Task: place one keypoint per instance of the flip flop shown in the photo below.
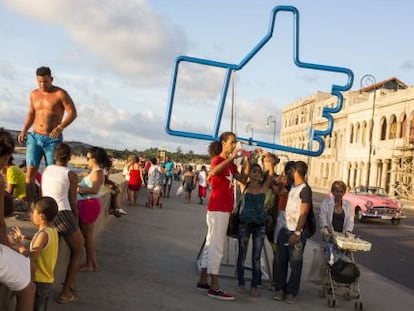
(71, 298)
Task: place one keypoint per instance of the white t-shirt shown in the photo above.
(55, 184)
(294, 203)
(14, 269)
(202, 178)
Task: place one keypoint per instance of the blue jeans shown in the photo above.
(258, 235)
(289, 255)
(41, 145)
(43, 293)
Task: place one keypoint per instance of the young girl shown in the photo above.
(43, 250)
(252, 220)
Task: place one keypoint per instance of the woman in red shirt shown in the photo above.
(220, 205)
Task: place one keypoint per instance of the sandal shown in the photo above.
(71, 298)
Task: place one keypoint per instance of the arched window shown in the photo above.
(383, 127)
(357, 130)
(302, 117)
(371, 131)
(393, 127)
(364, 134)
(411, 137)
(351, 134)
(403, 126)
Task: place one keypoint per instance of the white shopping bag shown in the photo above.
(180, 191)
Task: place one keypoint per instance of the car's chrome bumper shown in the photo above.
(384, 214)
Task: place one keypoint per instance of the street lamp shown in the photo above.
(249, 128)
(369, 80)
(272, 119)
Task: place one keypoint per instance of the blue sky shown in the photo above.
(115, 58)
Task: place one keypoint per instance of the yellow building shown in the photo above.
(374, 129)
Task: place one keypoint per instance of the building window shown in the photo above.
(411, 138)
(393, 127)
(351, 134)
(357, 130)
(371, 131)
(364, 134)
(403, 126)
(383, 126)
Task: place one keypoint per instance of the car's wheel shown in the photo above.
(358, 215)
(395, 221)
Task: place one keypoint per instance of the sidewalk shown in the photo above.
(147, 261)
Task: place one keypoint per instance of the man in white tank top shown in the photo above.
(292, 238)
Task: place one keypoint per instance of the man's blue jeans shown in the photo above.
(258, 235)
(289, 255)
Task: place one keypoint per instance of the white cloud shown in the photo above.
(125, 35)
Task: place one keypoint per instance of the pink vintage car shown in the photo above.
(373, 202)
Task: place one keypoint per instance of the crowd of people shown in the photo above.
(157, 177)
(273, 207)
(278, 207)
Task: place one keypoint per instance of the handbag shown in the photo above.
(234, 219)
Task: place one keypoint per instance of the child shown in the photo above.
(43, 249)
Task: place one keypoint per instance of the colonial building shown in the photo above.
(372, 141)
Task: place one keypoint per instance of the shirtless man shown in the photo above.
(48, 104)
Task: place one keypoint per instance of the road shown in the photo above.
(392, 252)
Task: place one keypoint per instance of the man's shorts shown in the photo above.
(65, 223)
(14, 269)
(39, 145)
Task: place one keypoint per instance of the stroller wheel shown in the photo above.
(331, 303)
(358, 305)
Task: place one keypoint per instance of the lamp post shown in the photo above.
(369, 80)
(249, 128)
(272, 119)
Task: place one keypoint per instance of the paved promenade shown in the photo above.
(147, 261)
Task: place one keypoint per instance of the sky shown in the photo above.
(115, 59)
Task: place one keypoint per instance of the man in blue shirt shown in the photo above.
(169, 167)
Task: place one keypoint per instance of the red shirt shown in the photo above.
(222, 193)
(147, 165)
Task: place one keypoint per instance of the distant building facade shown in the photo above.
(374, 129)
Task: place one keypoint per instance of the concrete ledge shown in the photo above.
(7, 301)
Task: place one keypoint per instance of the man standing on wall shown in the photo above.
(48, 105)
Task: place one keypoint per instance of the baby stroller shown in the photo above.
(342, 273)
